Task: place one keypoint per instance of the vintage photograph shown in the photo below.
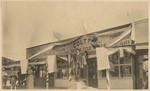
(97, 45)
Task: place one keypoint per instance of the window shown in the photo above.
(40, 71)
(114, 64)
(62, 66)
(120, 67)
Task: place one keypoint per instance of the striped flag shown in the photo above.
(57, 35)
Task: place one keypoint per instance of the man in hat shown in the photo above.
(78, 63)
(13, 78)
(145, 71)
(93, 41)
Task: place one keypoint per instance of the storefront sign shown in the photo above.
(83, 43)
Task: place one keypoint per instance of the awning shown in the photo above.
(11, 66)
(141, 46)
(37, 63)
(53, 45)
(123, 35)
(44, 50)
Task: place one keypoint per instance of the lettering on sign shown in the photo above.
(125, 41)
(83, 43)
(80, 42)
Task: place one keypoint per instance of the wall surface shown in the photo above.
(141, 31)
(116, 83)
(61, 83)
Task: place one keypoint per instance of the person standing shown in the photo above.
(145, 71)
(21, 77)
(79, 64)
(4, 74)
(30, 78)
(94, 41)
(13, 78)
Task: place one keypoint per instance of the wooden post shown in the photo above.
(47, 80)
(98, 78)
(87, 75)
(107, 79)
(47, 76)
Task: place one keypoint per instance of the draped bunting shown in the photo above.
(103, 54)
(102, 58)
(24, 66)
(84, 60)
(123, 35)
(51, 61)
(129, 49)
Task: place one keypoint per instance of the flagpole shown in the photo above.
(107, 79)
(47, 76)
(133, 28)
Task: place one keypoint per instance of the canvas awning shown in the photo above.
(37, 63)
(40, 53)
(11, 66)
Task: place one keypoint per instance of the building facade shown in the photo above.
(123, 72)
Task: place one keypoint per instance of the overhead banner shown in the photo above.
(114, 38)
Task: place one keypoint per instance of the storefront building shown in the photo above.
(122, 72)
(141, 35)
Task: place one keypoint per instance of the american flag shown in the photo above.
(57, 35)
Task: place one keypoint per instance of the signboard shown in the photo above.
(104, 39)
(112, 38)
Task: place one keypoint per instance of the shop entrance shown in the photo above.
(40, 76)
(51, 80)
(92, 72)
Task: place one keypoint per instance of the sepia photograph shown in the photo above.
(93, 45)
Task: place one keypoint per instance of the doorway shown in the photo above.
(40, 77)
(92, 72)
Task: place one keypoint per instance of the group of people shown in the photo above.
(15, 77)
(78, 60)
(77, 64)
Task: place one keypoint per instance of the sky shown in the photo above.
(27, 24)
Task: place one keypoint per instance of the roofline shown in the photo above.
(102, 31)
(9, 58)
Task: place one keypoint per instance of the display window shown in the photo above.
(40, 71)
(62, 66)
(120, 67)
